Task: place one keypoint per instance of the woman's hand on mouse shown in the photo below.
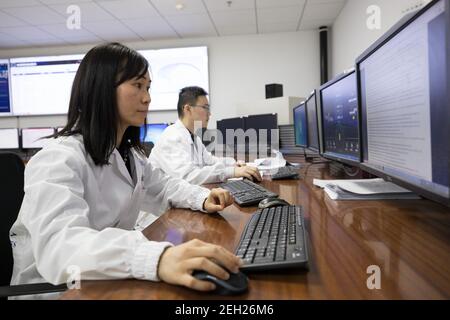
(177, 263)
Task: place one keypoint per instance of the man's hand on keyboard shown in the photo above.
(218, 199)
(248, 172)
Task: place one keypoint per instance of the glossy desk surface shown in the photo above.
(409, 240)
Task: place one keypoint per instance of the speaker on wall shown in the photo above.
(274, 90)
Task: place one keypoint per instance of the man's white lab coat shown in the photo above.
(179, 156)
(75, 213)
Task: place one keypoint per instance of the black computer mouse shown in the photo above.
(236, 284)
(272, 202)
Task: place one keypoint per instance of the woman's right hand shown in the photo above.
(177, 263)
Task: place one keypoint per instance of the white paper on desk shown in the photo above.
(337, 193)
(322, 183)
(270, 163)
(364, 186)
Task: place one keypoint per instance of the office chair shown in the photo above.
(11, 196)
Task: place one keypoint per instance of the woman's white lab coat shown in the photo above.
(190, 161)
(75, 213)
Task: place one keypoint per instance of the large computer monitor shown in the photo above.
(31, 137)
(266, 126)
(232, 124)
(9, 138)
(5, 102)
(340, 119)
(154, 131)
(405, 87)
(42, 85)
(311, 117)
(300, 126)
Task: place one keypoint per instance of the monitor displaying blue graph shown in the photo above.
(340, 119)
(154, 131)
(5, 104)
(300, 126)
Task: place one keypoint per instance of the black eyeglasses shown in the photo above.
(205, 107)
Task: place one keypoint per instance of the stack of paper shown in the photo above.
(368, 189)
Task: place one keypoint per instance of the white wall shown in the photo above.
(350, 34)
(239, 68)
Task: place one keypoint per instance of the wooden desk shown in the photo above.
(408, 240)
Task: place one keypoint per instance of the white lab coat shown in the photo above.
(177, 155)
(75, 213)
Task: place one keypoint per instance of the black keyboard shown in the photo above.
(274, 238)
(246, 192)
(288, 172)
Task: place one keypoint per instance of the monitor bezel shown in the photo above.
(313, 94)
(396, 29)
(303, 103)
(322, 127)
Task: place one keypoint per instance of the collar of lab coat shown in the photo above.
(186, 133)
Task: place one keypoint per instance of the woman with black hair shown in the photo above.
(85, 188)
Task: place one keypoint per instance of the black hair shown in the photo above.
(189, 95)
(93, 111)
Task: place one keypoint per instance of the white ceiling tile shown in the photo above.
(27, 33)
(90, 12)
(278, 3)
(279, 15)
(111, 31)
(68, 2)
(241, 17)
(36, 15)
(154, 28)
(192, 25)
(18, 3)
(7, 41)
(46, 42)
(219, 5)
(236, 30)
(10, 21)
(84, 40)
(61, 31)
(167, 7)
(278, 27)
(315, 24)
(323, 10)
(130, 9)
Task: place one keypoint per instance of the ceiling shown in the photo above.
(31, 23)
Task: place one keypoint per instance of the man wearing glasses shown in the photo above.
(181, 153)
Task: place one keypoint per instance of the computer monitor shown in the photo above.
(9, 138)
(233, 124)
(300, 126)
(340, 119)
(311, 117)
(5, 103)
(154, 131)
(404, 86)
(266, 126)
(42, 85)
(31, 137)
